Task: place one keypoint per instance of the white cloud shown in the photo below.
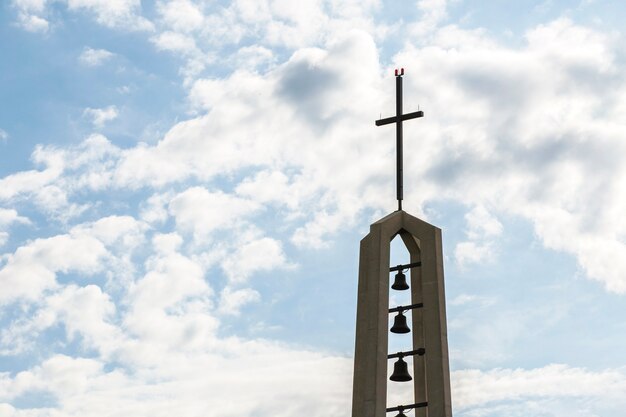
(175, 42)
(114, 13)
(66, 172)
(167, 243)
(315, 233)
(30, 181)
(506, 136)
(278, 381)
(517, 121)
(94, 57)
(475, 389)
(481, 223)
(50, 198)
(231, 301)
(202, 212)
(154, 209)
(86, 312)
(32, 268)
(171, 278)
(99, 117)
(261, 254)
(4, 136)
(123, 232)
(34, 6)
(266, 187)
(181, 15)
(124, 14)
(9, 216)
(482, 228)
(251, 57)
(29, 15)
(434, 12)
(473, 252)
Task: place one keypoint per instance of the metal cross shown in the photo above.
(398, 119)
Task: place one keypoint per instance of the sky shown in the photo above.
(184, 185)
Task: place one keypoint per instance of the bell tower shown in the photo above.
(427, 341)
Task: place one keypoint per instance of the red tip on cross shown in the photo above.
(401, 71)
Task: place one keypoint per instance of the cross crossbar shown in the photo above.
(394, 119)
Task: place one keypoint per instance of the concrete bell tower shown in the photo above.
(428, 337)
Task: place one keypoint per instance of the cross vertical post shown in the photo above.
(398, 119)
(399, 167)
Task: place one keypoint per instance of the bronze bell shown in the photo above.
(400, 371)
(399, 324)
(400, 282)
(400, 414)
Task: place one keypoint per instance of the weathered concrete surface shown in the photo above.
(431, 373)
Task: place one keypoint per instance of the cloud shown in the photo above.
(434, 12)
(175, 42)
(33, 180)
(528, 139)
(477, 390)
(202, 212)
(29, 15)
(181, 15)
(159, 337)
(65, 172)
(265, 187)
(119, 13)
(262, 254)
(34, 23)
(86, 312)
(482, 228)
(101, 116)
(231, 301)
(94, 57)
(9, 216)
(493, 118)
(299, 381)
(30, 5)
(32, 268)
(154, 209)
(254, 57)
(115, 14)
(473, 252)
(4, 136)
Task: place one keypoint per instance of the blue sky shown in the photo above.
(184, 185)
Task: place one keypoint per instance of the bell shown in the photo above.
(399, 324)
(400, 414)
(400, 371)
(400, 282)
